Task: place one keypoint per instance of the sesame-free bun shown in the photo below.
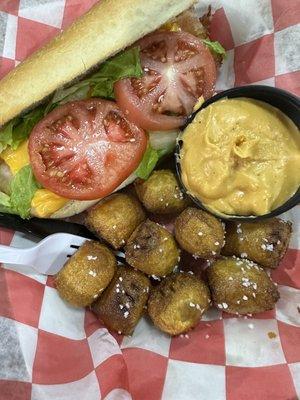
(109, 27)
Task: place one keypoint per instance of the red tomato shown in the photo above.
(178, 69)
(85, 149)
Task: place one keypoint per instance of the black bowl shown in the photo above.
(281, 99)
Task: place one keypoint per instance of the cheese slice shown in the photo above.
(16, 159)
(44, 202)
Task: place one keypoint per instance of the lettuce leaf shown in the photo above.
(22, 130)
(159, 145)
(23, 187)
(104, 88)
(18, 129)
(215, 46)
(124, 65)
(5, 203)
(148, 163)
(6, 135)
(4, 200)
(78, 91)
(5, 206)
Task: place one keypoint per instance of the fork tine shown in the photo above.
(78, 240)
(66, 245)
(74, 246)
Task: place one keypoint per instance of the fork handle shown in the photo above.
(42, 228)
(13, 255)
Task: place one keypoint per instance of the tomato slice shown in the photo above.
(178, 69)
(84, 150)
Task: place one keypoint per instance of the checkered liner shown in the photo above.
(48, 350)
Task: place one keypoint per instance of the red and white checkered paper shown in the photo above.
(49, 350)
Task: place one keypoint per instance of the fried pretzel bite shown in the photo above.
(240, 286)
(264, 242)
(123, 303)
(152, 249)
(115, 218)
(86, 274)
(177, 304)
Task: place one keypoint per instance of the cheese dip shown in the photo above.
(241, 156)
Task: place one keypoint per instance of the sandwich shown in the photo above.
(100, 104)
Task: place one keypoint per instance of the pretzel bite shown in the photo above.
(160, 193)
(178, 303)
(115, 219)
(152, 249)
(199, 233)
(240, 286)
(264, 242)
(87, 273)
(122, 303)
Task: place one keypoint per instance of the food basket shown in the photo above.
(49, 350)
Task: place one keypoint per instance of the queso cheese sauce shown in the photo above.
(241, 157)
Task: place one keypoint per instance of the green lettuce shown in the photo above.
(101, 84)
(23, 129)
(78, 91)
(124, 65)
(215, 46)
(159, 145)
(18, 129)
(22, 189)
(6, 135)
(149, 161)
(5, 203)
